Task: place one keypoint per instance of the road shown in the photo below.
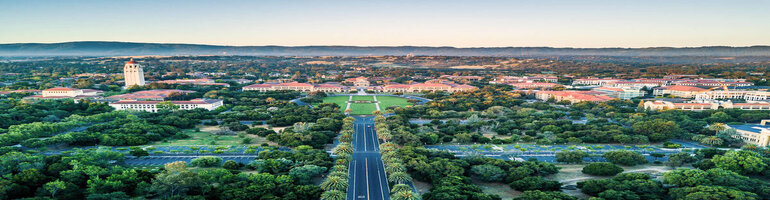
(367, 172)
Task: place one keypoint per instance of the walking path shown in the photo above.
(377, 104)
(350, 98)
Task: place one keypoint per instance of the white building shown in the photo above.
(133, 73)
(68, 93)
(698, 106)
(753, 133)
(621, 92)
(152, 106)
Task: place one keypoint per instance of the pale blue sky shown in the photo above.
(555, 23)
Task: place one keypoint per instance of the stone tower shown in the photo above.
(133, 73)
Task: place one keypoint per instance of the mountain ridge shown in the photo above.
(111, 48)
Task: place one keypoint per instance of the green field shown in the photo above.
(363, 98)
(363, 108)
(366, 108)
(339, 100)
(388, 101)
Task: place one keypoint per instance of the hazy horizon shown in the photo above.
(493, 23)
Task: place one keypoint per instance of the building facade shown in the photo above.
(133, 73)
(152, 106)
(572, 96)
(302, 87)
(757, 134)
(620, 92)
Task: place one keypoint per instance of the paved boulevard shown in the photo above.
(367, 172)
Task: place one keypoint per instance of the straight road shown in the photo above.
(367, 172)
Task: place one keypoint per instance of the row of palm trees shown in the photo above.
(394, 167)
(336, 184)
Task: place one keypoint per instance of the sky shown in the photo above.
(477, 23)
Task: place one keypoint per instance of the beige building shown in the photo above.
(133, 73)
(419, 87)
(753, 134)
(698, 106)
(152, 106)
(67, 93)
(302, 87)
(572, 96)
(678, 91)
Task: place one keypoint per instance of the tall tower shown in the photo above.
(133, 73)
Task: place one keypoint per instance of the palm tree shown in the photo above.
(339, 174)
(343, 148)
(400, 177)
(405, 196)
(384, 135)
(717, 127)
(713, 141)
(333, 195)
(400, 188)
(340, 168)
(395, 167)
(346, 137)
(377, 113)
(335, 183)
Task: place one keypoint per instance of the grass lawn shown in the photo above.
(205, 138)
(388, 101)
(363, 108)
(339, 100)
(363, 98)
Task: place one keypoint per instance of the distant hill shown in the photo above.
(130, 48)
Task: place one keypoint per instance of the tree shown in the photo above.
(678, 159)
(710, 192)
(623, 157)
(487, 172)
(535, 183)
(333, 195)
(167, 106)
(304, 174)
(400, 177)
(231, 165)
(657, 130)
(547, 195)
(207, 161)
(335, 183)
(54, 187)
(405, 196)
(138, 152)
(743, 162)
(400, 188)
(570, 156)
(602, 169)
(176, 180)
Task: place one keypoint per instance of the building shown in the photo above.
(200, 81)
(358, 82)
(149, 95)
(419, 87)
(678, 91)
(152, 106)
(620, 92)
(67, 93)
(595, 81)
(714, 83)
(302, 87)
(523, 79)
(757, 134)
(648, 84)
(133, 73)
(698, 106)
(679, 76)
(462, 78)
(572, 96)
(534, 85)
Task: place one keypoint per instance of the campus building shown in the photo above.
(620, 92)
(757, 134)
(419, 87)
(523, 79)
(200, 81)
(573, 96)
(152, 106)
(595, 81)
(358, 81)
(133, 73)
(149, 95)
(698, 106)
(678, 91)
(302, 87)
(535, 85)
(67, 93)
